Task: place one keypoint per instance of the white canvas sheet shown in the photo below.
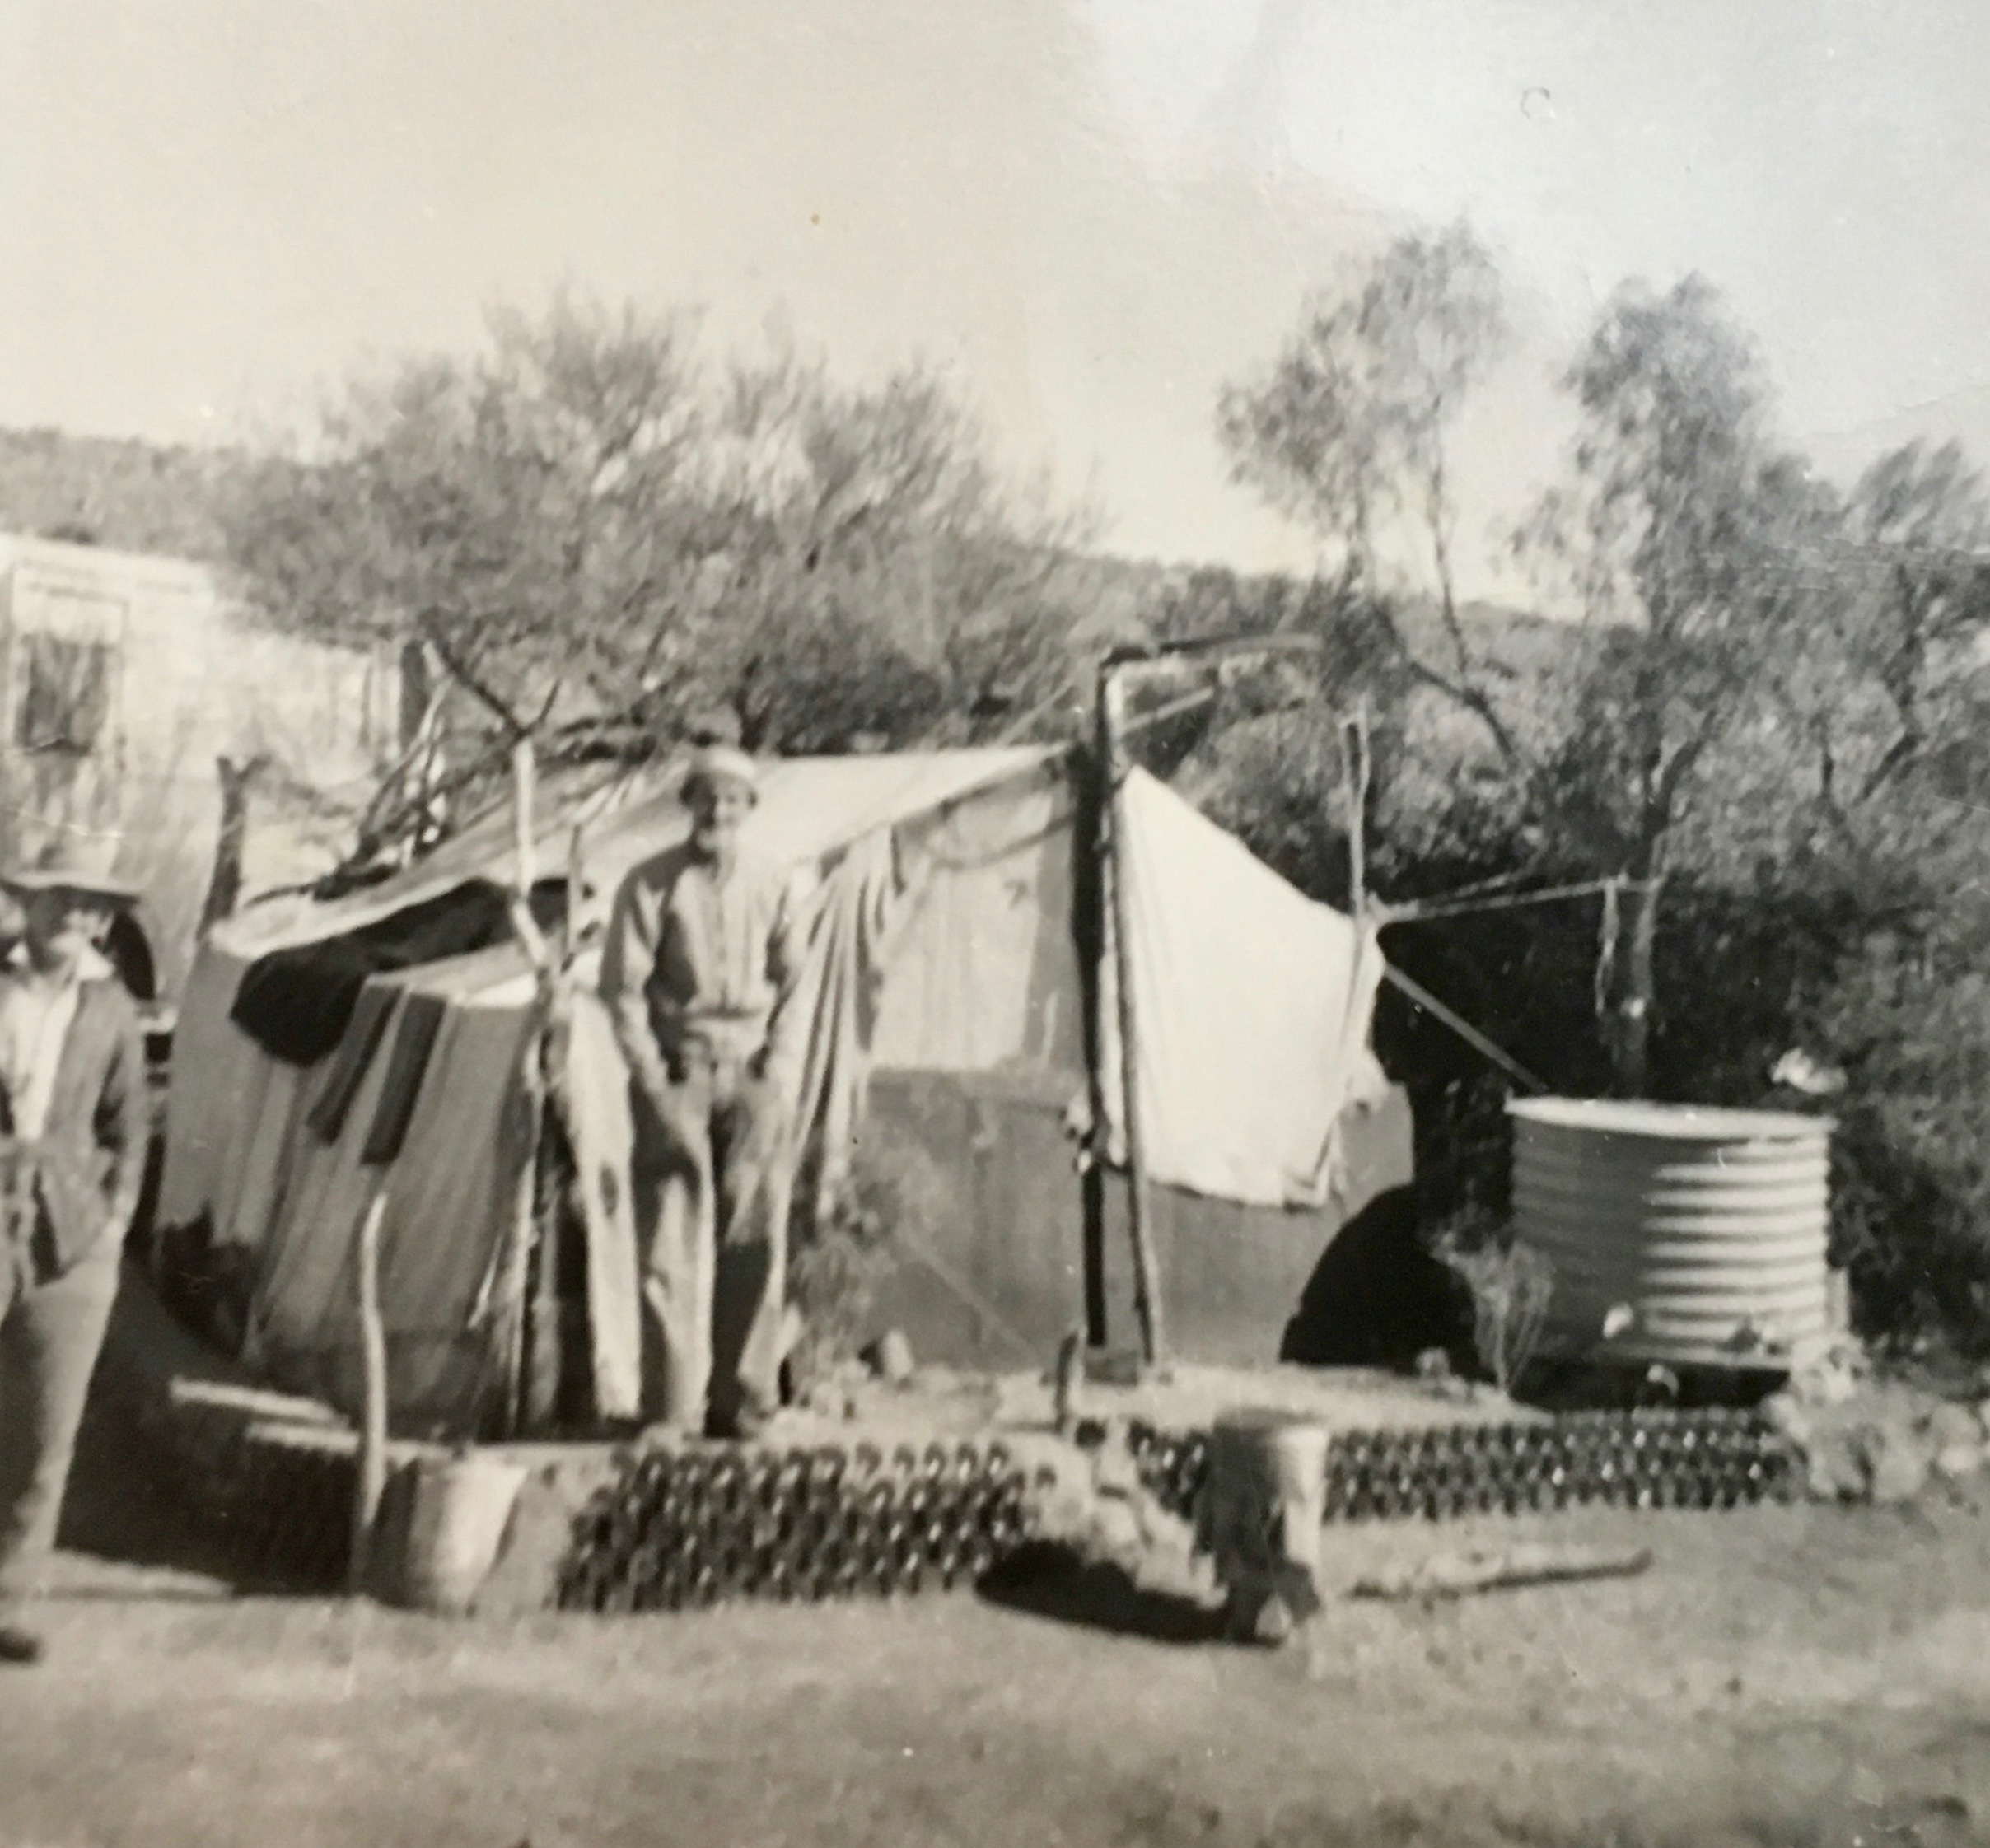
(1253, 1006)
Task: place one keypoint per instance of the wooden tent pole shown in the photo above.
(525, 766)
(1355, 775)
(524, 777)
(1146, 1275)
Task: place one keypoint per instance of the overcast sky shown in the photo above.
(1094, 211)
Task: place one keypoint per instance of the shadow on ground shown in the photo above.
(1048, 1580)
(120, 1506)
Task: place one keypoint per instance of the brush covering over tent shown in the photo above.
(957, 1001)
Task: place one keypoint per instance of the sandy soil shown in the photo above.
(1780, 1676)
(1794, 1675)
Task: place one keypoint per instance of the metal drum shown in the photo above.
(1678, 1234)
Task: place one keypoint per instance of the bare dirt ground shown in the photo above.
(1795, 1675)
(1800, 1676)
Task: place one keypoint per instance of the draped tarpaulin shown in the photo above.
(1252, 1003)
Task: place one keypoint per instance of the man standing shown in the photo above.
(703, 951)
(74, 1120)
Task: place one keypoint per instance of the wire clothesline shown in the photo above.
(1463, 905)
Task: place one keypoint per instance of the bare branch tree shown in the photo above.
(1348, 433)
(596, 534)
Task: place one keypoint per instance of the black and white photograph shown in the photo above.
(1044, 921)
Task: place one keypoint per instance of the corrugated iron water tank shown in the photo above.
(1680, 1234)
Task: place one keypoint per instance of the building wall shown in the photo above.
(190, 682)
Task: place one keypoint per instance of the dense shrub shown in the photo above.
(1911, 1021)
(837, 1260)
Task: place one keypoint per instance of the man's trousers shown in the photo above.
(50, 1334)
(713, 1182)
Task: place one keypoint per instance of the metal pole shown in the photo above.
(1147, 1277)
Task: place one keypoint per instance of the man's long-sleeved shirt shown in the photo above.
(35, 1018)
(73, 1088)
(698, 960)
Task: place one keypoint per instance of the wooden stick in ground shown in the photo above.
(1458, 1574)
(372, 1472)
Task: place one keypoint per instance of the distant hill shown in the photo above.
(132, 496)
(118, 492)
(1122, 596)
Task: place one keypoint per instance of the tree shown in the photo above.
(1698, 550)
(1919, 525)
(598, 536)
(532, 516)
(1348, 433)
(879, 576)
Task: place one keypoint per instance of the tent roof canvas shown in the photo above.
(810, 809)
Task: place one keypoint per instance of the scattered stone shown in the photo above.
(889, 1358)
(1161, 1531)
(1789, 1417)
(1113, 1530)
(1274, 1623)
(1115, 1366)
(1835, 1467)
(1958, 1461)
(1661, 1386)
(1896, 1463)
(1114, 1472)
(1954, 1427)
(1834, 1377)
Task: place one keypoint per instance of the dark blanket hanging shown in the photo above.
(356, 1052)
(296, 1004)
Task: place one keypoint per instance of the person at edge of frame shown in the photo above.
(73, 1128)
(703, 953)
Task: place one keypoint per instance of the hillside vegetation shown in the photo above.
(118, 492)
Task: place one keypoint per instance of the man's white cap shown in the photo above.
(716, 763)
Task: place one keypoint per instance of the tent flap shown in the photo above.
(1253, 1004)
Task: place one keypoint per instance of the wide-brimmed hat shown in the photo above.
(66, 867)
(712, 764)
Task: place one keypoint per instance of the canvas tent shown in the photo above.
(956, 1015)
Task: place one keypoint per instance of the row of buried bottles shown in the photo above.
(690, 1528)
(291, 1513)
(1706, 1459)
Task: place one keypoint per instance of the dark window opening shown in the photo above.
(65, 703)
